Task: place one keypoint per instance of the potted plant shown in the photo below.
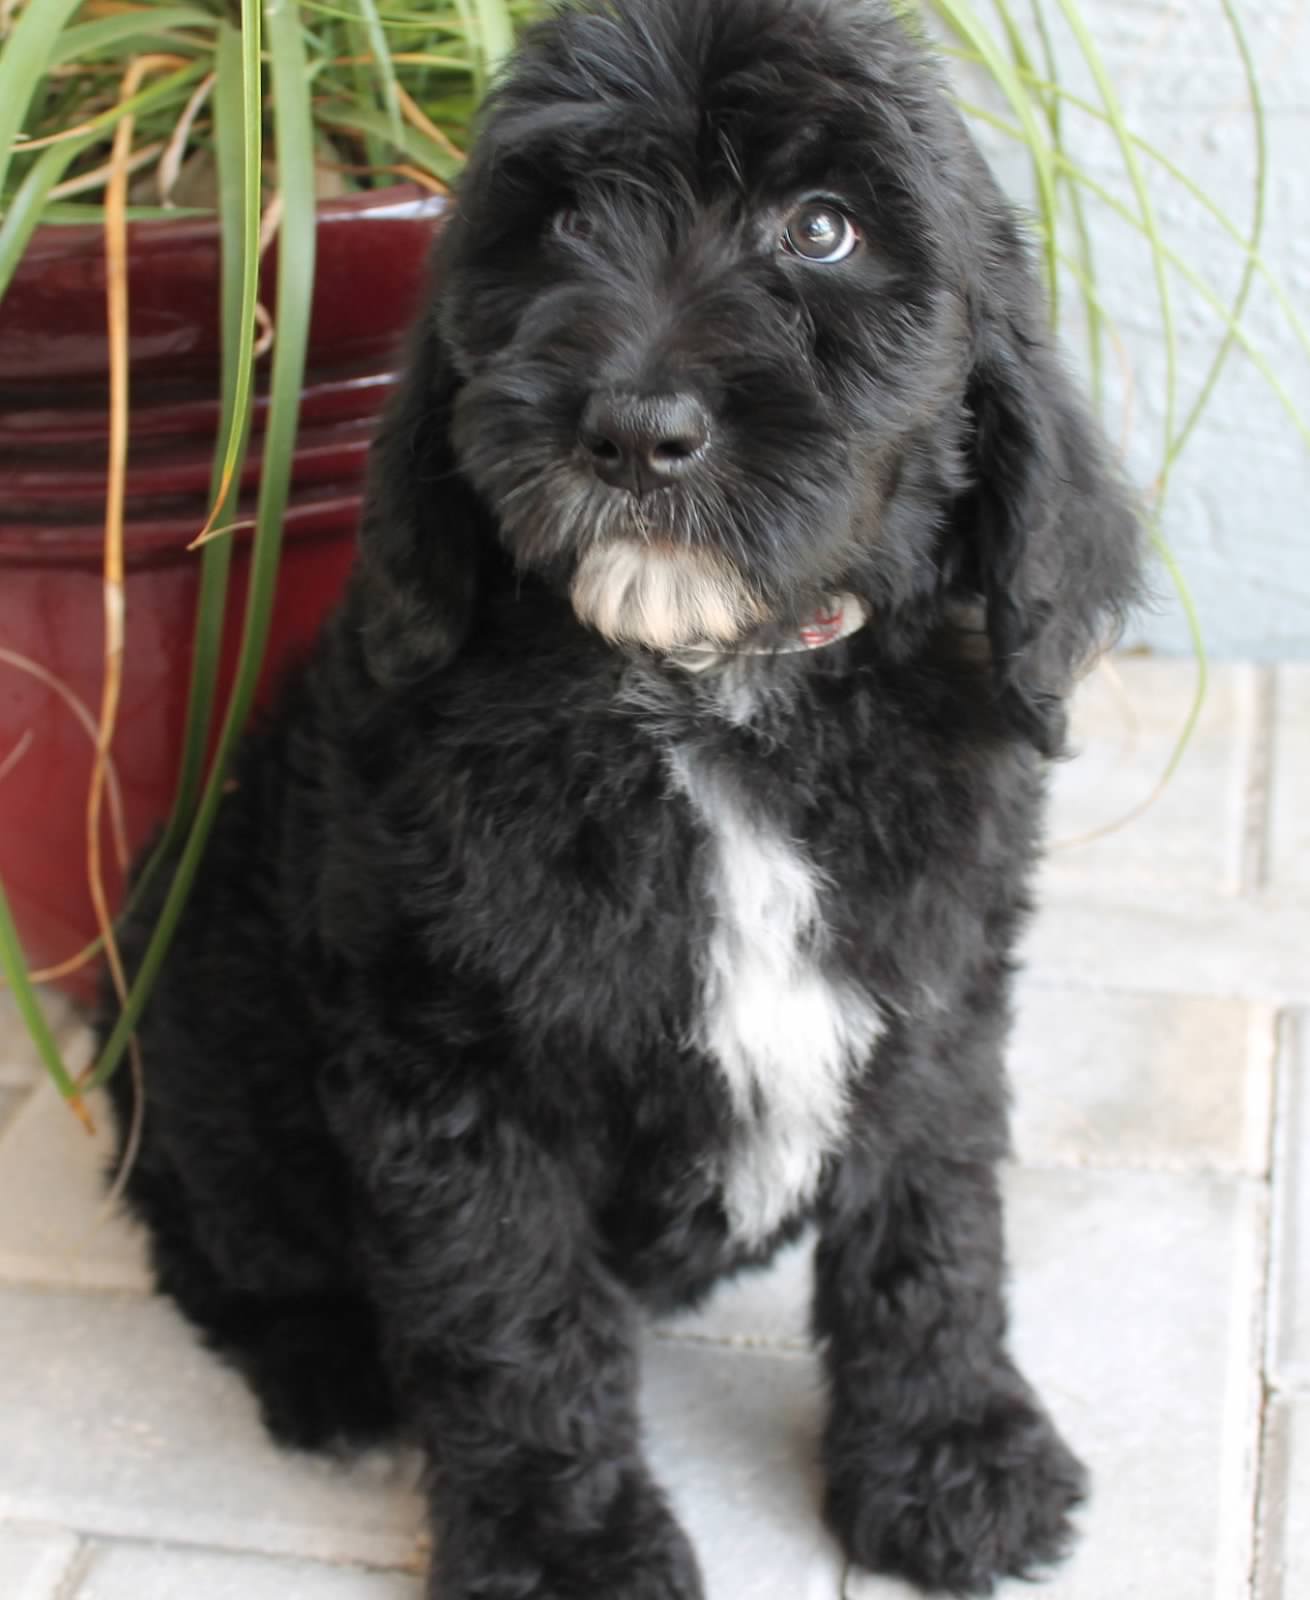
(215, 224)
(213, 221)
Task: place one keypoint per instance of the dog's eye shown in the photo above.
(571, 223)
(820, 233)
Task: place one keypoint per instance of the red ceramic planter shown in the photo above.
(53, 364)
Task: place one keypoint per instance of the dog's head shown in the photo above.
(730, 316)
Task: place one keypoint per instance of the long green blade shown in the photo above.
(293, 129)
(1248, 243)
(99, 128)
(24, 64)
(1252, 244)
(381, 53)
(86, 40)
(1050, 108)
(964, 22)
(495, 33)
(413, 143)
(239, 227)
(1132, 165)
(28, 205)
(14, 966)
(1169, 258)
(252, 173)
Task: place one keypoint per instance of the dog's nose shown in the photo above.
(644, 442)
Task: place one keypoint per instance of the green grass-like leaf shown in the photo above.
(413, 143)
(14, 966)
(1049, 105)
(239, 223)
(381, 53)
(1251, 244)
(30, 204)
(1170, 259)
(294, 133)
(1150, 226)
(23, 66)
(252, 124)
(964, 22)
(87, 41)
(495, 33)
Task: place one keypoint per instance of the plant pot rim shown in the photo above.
(57, 239)
(325, 510)
(175, 256)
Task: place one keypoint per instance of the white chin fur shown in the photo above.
(661, 597)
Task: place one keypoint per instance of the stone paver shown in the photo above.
(758, 1310)
(1137, 1313)
(1167, 962)
(52, 1192)
(20, 1065)
(1193, 838)
(1141, 1080)
(114, 1421)
(10, 1100)
(143, 1572)
(734, 1437)
(34, 1562)
(1251, 948)
(1133, 1298)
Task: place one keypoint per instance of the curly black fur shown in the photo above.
(434, 1109)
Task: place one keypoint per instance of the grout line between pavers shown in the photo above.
(1278, 1137)
(98, 1542)
(126, 1292)
(1162, 1168)
(1258, 1422)
(741, 1343)
(1283, 1219)
(1270, 1530)
(1074, 976)
(79, 1565)
(1048, 978)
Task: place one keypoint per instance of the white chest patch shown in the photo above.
(786, 1035)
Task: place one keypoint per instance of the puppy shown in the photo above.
(632, 877)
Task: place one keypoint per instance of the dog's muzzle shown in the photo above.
(664, 596)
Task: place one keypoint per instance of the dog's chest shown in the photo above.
(787, 1033)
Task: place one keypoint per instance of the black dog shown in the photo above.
(633, 875)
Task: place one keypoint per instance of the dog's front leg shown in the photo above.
(513, 1352)
(942, 1466)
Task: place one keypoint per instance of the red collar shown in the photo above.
(835, 619)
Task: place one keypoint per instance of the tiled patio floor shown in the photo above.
(1160, 1224)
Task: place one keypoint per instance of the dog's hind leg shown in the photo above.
(311, 1355)
(315, 1366)
(515, 1356)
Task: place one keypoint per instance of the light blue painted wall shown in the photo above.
(1238, 515)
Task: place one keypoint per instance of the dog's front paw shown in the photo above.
(641, 1554)
(955, 1508)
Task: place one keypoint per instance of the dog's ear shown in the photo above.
(1049, 536)
(420, 535)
